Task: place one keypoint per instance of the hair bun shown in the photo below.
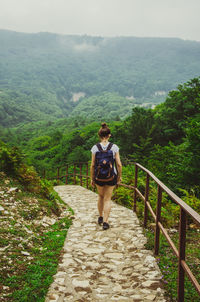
(104, 125)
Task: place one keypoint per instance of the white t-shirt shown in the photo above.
(114, 148)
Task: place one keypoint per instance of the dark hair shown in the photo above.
(104, 131)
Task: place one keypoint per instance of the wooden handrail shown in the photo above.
(184, 211)
(173, 196)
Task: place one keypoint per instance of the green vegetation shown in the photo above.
(169, 132)
(40, 73)
(33, 283)
(108, 106)
(39, 76)
(169, 265)
(34, 224)
(166, 140)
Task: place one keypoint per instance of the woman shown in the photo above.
(104, 187)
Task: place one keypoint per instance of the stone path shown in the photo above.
(99, 265)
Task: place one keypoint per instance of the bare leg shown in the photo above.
(100, 200)
(108, 190)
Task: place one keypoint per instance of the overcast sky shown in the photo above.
(141, 18)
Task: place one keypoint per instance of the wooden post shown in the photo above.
(158, 215)
(80, 167)
(74, 174)
(146, 199)
(182, 243)
(135, 184)
(66, 174)
(58, 175)
(87, 175)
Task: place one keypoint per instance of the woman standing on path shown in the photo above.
(103, 173)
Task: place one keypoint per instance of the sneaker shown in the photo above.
(100, 220)
(105, 226)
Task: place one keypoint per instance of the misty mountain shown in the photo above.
(40, 73)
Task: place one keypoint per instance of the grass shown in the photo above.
(29, 249)
(168, 263)
(32, 282)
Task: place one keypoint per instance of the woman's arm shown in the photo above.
(119, 167)
(92, 170)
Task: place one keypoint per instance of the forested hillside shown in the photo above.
(41, 74)
(169, 132)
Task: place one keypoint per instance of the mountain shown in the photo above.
(41, 74)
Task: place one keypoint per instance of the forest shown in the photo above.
(40, 73)
(169, 132)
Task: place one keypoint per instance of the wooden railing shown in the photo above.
(185, 211)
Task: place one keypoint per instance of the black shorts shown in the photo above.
(107, 183)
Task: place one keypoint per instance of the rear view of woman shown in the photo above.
(103, 172)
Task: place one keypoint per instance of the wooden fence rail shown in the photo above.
(185, 211)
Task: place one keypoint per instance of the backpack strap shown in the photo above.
(109, 146)
(101, 149)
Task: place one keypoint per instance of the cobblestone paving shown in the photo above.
(99, 265)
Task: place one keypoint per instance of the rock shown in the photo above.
(101, 296)
(149, 283)
(114, 255)
(119, 298)
(159, 291)
(13, 190)
(60, 281)
(1, 209)
(152, 226)
(25, 253)
(2, 249)
(91, 251)
(28, 231)
(150, 297)
(53, 297)
(81, 246)
(80, 283)
(77, 224)
(193, 226)
(48, 221)
(146, 291)
(149, 261)
(67, 262)
(136, 297)
(93, 265)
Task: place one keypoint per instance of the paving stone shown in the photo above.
(80, 283)
(114, 255)
(98, 265)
